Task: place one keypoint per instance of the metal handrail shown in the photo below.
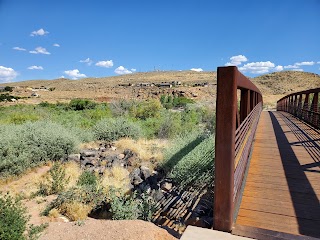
(235, 129)
(304, 105)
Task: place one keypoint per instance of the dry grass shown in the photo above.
(117, 177)
(75, 211)
(147, 150)
(27, 184)
(73, 172)
(54, 213)
(88, 145)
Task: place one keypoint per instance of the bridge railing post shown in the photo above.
(234, 133)
(315, 109)
(225, 145)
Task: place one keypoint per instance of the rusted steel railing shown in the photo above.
(235, 129)
(304, 105)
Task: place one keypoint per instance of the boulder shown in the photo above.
(145, 172)
(157, 195)
(102, 149)
(144, 187)
(166, 186)
(152, 181)
(135, 177)
(74, 157)
(88, 153)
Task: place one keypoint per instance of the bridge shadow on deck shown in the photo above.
(304, 197)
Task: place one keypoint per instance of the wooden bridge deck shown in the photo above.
(282, 191)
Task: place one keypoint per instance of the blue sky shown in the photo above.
(49, 39)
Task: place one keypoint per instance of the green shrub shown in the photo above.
(87, 178)
(19, 118)
(113, 129)
(180, 147)
(8, 89)
(35, 231)
(146, 207)
(169, 102)
(191, 160)
(30, 144)
(146, 109)
(81, 104)
(13, 219)
(7, 96)
(55, 182)
(131, 206)
(91, 195)
(121, 107)
(123, 206)
(171, 125)
(47, 105)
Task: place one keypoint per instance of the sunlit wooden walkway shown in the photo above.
(282, 190)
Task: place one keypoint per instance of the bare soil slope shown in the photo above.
(273, 86)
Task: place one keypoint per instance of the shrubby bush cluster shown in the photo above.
(30, 144)
(32, 135)
(169, 101)
(14, 219)
(190, 159)
(111, 129)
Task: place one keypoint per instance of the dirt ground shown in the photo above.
(105, 229)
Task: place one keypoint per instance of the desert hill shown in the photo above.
(134, 86)
(286, 82)
(187, 77)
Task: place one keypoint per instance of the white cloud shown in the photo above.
(122, 70)
(304, 63)
(40, 32)
(7, 74)
(278, 68)
(291, 66)
(133, 69)
(35, 67)
(106, 64)
(40, 50)
(257, 67)
(62, 76)
(88, 61)
(19, 49)
(56, 45)
(296, 69)
(196, 69)
(318, 62)
(74, 74)
(236, 60)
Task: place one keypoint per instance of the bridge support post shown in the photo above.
(225, 145)
(244, 104)
(305, 115)
(315, 109)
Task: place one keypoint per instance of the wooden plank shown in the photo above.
(277, 222)
(280, 195)
(264, 234)
(276, 207)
